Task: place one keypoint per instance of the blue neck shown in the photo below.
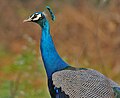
(51, 58)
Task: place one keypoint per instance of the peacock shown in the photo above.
(65, 81)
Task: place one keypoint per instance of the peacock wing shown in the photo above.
(82, 83)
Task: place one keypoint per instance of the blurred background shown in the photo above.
(86, 33)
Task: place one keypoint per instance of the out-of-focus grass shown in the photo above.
(25, 76)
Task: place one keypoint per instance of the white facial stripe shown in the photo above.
(32, 16)
(38, 16)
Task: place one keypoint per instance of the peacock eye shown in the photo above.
(34, 16)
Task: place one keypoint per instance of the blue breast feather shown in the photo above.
(52, 61)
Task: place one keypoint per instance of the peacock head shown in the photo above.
(40, 17)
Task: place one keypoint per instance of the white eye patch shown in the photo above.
(36, 17)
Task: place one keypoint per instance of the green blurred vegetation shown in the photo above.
(86, 34)
(24, 77)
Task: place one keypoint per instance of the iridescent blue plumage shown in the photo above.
(51, 59)
(65, 81)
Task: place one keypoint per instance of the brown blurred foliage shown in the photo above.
(84, 32)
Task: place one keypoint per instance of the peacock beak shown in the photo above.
(27, 20)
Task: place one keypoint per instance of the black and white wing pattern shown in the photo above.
(83, 83)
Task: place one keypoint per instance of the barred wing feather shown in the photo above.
(83, 84)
